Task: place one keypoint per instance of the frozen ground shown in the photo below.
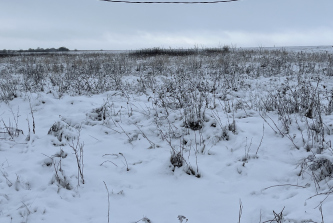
(247, 173)
(306, 49)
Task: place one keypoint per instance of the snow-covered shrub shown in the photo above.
(192, 121)
(98, 114)
(10, 128)
(293, 98)
(60, 177)
(34, 74)
(190, 96)
(278, 217)
(77, 148)
(102, 114)
(298, 99)
(319, 167)
(11, 132)
(144, 220)
(191, 171)
(62, 132)
(177, 159)
(56, 163)
(61, 154)
(8, 89)
(182, 218)
(322, 168)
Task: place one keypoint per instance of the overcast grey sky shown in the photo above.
(93, 24)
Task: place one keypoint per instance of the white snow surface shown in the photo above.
(126, 155)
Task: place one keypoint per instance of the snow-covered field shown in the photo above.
(240, 136)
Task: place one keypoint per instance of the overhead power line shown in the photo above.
(169, 2)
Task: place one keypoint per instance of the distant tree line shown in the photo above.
(38, 50)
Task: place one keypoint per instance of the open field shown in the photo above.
(167, 136)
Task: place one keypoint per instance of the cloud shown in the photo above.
(321, 36)
(92, 24)
(137, 39)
